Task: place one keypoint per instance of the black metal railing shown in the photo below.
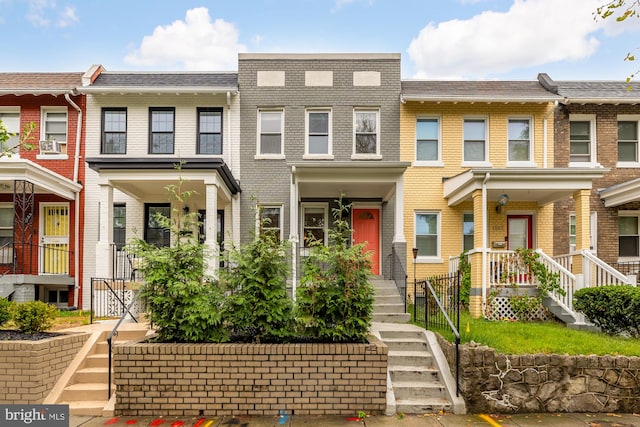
(628, 268)
(125, 265)
(399, 276)
(114, 333)
(437, 307)
(110, 297)
(32, 259)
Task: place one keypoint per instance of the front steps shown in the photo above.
(388, 307)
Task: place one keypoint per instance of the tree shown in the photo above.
(24, 142)
(621, 10)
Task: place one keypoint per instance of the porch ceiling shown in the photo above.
(353, 179)
(542, 186)
(45, 181)
(619, 194)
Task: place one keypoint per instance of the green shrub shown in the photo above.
(615, 309)
(5, 310)
(258, 306)
(335, 297)
(33, 316)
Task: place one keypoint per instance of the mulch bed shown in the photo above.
(15, 335)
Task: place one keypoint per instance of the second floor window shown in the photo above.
(318, 132)
(474, 140)
(580, 141)
(366, 132)
(11, 122)
(427, 139)
(519, 140)
(114, 131)
(209, 131)
(628, 141)
(54, 131)
(161, 130)
(270, 130)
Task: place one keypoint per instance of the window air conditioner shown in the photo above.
(49, 147)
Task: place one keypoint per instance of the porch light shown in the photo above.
(503, 199)
(415, 253)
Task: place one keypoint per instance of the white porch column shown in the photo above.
(104, 252)
(398, 227)
(211, 241)
(294, 237)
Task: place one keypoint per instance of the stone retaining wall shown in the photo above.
(250, 379)
(30, 369)
(496, 382)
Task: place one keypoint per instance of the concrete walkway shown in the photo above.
(528, 420)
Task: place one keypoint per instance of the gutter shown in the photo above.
(76, 165)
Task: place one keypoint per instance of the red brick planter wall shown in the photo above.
(30, 369)
(250, 379)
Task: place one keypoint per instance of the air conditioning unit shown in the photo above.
(50, 147)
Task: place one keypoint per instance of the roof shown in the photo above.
(39, 83)
(163, 82)
(599, 91)
(475, 91)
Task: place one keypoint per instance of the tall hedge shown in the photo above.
(615, 309)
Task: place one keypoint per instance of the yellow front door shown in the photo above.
(54, 239)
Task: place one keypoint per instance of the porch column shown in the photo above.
(398, 229)
(211, 224)
(477, 258)
(583, 229)
(544, 227)
(104, 250)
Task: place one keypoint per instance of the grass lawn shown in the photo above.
(70, 319)
(541, 337)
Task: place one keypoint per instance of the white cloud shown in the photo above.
(37, 11)
(197, 43)
(67, 17)
(530, 33)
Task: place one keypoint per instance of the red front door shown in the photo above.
(366, 229)
(519, 231)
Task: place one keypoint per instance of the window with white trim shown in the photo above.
(467, 231)
(11, 122)
(628, 147)
(582, 140)
(314, 225)
(270, 133)
(6, 225)
(53, 131)
(593, 232)
(318, 133)
(270, 220)
(628, 234)
(427, 234)
(519, 136)
(427, 140)
(475, 140)
(366, 133)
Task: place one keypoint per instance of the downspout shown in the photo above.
(485, 241)
(546, 139)
(76, 165)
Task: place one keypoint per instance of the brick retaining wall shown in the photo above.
(496, 382)
(250, 379)
(30, 369)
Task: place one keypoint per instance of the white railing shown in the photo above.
(505, 268)
(566, 277)
(598, 273)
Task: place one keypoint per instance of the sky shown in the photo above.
(438, 39)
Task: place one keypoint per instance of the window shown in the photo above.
(474, 140)
(628, 236)
(6, 224)
(628, 141)
(271, 221)
(209, 131)
(161, 130)
(593, 231)
(58, 297)
(154, 232)
(519, 140)
(426, 235)
(114, 131)
(119, 225)
(270, 131)
(366, 133)
(572, 232)
(467, 232)
(428, 140)
(314, 227)
(11, 121)
(318, 133)
(54, 131)
(581, 139)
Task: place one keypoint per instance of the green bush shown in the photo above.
(335, 297)
(5, 310)
(33, 316)
(258, 307)
(615, 309)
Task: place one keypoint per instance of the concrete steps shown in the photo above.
(389, 306)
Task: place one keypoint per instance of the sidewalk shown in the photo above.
(524, 420)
